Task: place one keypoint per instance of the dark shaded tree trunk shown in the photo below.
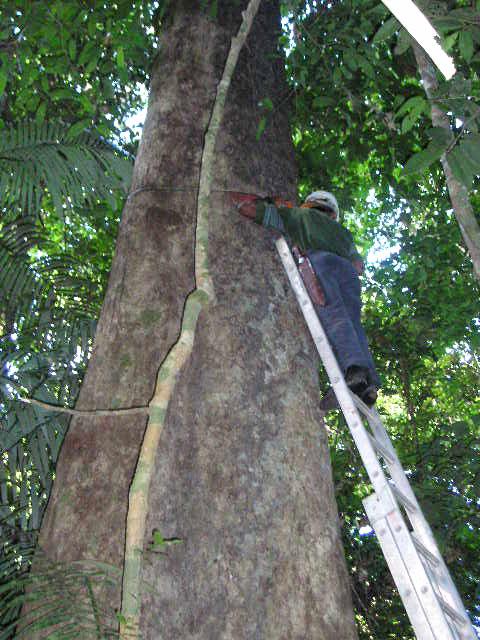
(242, 474)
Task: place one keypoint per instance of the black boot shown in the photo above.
(357, 379)
(369, 396)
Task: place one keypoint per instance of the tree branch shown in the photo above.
(89, 413)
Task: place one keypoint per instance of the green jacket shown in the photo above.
(309, 229)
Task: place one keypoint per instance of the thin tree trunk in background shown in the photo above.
(242, 476)
(462, 207)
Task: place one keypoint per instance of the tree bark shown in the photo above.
(462, 207)
(242, 474)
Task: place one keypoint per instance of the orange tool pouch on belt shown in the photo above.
(309, 277)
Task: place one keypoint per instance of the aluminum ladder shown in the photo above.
(429, 595)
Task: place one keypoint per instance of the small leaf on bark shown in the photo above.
(261, 127)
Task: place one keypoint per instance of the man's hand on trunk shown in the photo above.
(359, 266)
(246, 203)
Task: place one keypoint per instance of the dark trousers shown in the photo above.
(340, 317)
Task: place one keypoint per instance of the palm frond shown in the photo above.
(38, 286)
(17, 280)
(58, 598)
(38, 161)
(53, 271)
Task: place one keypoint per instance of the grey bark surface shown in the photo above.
(152, 273)
(243, 474)
(469, 226)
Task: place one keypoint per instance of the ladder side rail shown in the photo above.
(418, 520)
(421, 527)
(408, 571)
(346, 401)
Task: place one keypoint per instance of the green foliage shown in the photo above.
(56, 186)
(81, 62)
(47, 334)
(361, 127)
(423, 159)
(210, 7)
(50, 295)
(66, 165)
(51, 288)
(58, 600)
(388, 28)
(69, 74)
(364, 131)
(464, 159)
(267, 106)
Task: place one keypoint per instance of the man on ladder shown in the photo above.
(428, 592)
(330, 265)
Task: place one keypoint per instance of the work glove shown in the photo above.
(280, 202)
(245, 203)
(359, 266)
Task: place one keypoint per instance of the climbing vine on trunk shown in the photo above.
(202, 295)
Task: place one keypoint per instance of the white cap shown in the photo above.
(327, 199)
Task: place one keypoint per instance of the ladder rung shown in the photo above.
(361, 406)
(381, 450)
(452, 613)
(401, 497)
(458, 618)
(426, 553)
(369, 413)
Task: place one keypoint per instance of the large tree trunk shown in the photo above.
(242, 475)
